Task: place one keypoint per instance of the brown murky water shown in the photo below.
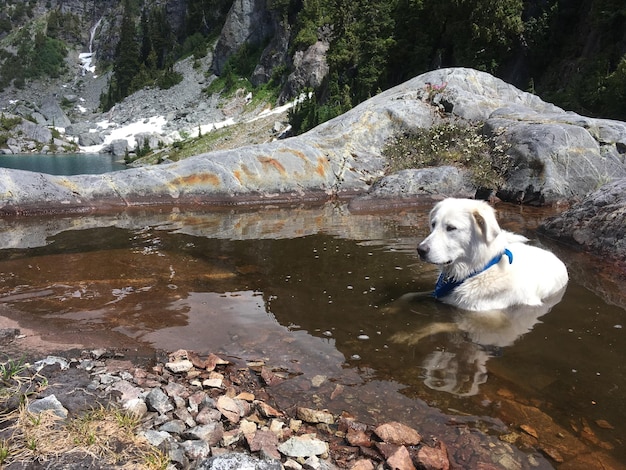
(317, 292)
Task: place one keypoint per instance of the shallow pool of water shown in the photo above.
(64, 164)
(317, 293)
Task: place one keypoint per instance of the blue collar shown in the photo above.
(446, 285)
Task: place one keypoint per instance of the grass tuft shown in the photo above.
(105, 433)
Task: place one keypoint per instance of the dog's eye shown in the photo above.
(450, 228)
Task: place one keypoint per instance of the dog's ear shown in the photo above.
(487, 224)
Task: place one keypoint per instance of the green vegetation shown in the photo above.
(535, 45)
(451, 144)
(107, 432)
(8, 123)
(373, 45)
(35, 53)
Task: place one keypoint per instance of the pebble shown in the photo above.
(230, 427)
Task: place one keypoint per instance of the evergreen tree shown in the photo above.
(126, 63)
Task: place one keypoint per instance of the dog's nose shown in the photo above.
(422, 250)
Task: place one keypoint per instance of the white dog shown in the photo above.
(482, 266)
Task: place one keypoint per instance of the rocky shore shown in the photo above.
(211, 413)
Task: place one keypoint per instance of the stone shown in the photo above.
(433, 458)
(596, 224)
(231, 437)
(277, 427)
(135, 406)
(558, 157)
(401, 460)
(158, 401)
(246, 396)
(247, 427)
(212, 433)
(55, 116)
(262, 439)
(267, 410)
(156, 438)
(51, 360)
(181, 366)
(126, 390)
(363, 464)
(236, 461)
(119, 147)
(174, 426)
(173, 389)
(318, 380)
(230, 408)
(303, 446)
(270, 377)
(195, 400)
(214, 382)
(314, 416)
(358, 438)
(212, 361)
(208, 415)
(249, 22)
(49, 403)
(196, 450)
(291, 464)
(398, 434)
(443, 180)
(185, 416)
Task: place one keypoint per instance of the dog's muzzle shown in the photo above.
(422, 251)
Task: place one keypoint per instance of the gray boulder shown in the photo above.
(597, 224)
(55, 116)
(561, 155)
(118, 147)
(555, 157)
(86, 139)
(35, 132)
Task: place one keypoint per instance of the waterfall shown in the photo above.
(92, 35)
(86, 57)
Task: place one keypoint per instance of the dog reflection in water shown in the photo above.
(470, 339)
(499, 284)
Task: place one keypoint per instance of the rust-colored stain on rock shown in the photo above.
(320, 169)
(244, 173)
(272, 162)
(197, 180)
(297, 153)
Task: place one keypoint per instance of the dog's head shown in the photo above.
(461, 231)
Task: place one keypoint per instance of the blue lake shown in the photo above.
(66, 164)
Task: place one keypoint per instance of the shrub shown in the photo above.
(8, 123)
(450, 144)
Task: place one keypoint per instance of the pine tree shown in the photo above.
(126, 63)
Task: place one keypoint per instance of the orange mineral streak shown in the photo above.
(272, 162)
(198, 179)
(297, 153)
(320, 169)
